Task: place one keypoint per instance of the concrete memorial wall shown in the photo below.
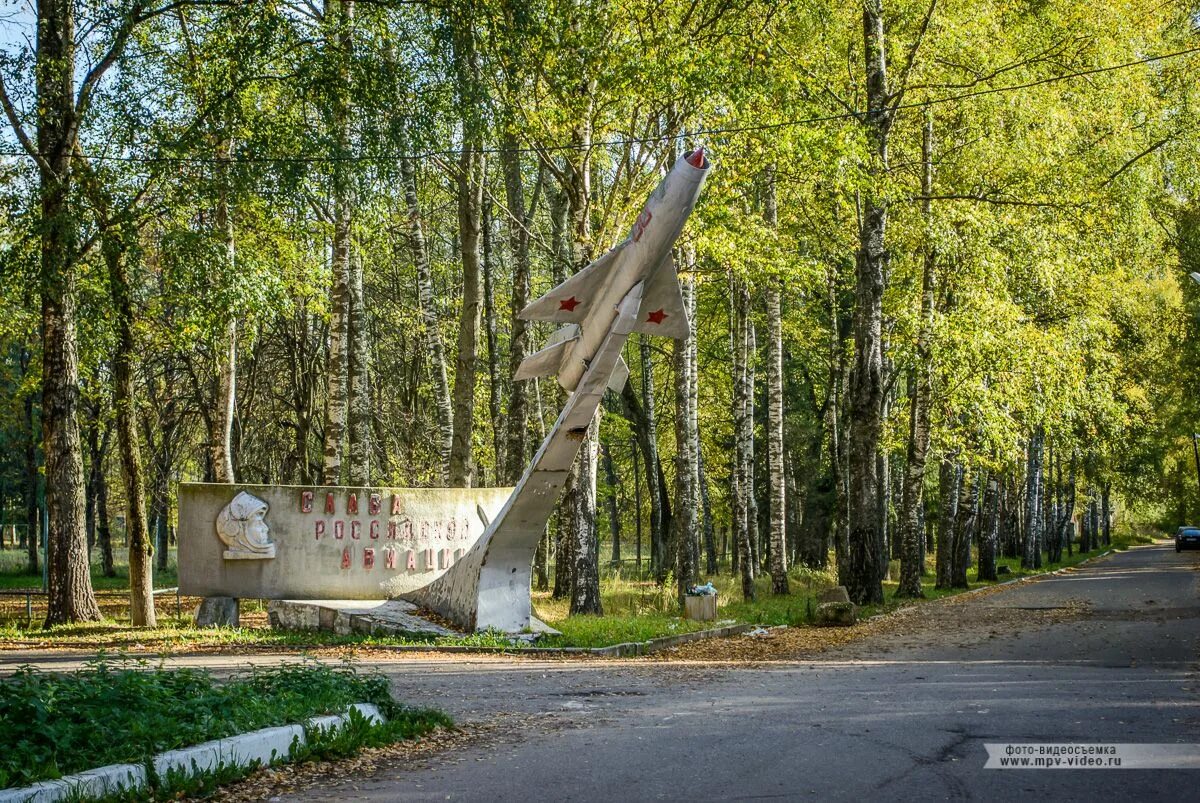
(292, 542)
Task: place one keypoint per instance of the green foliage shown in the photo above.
(122, 711)
(1063, 221)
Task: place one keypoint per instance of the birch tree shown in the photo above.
(777, 476)
(685, 519)
(469, 191)
(432, 336)
(745, 524)
(337, 20)
(912, 499)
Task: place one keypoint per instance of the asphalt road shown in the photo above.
(1108, 653)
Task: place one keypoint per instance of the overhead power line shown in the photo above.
(704, 132)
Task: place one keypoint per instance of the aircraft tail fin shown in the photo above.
(662, 311)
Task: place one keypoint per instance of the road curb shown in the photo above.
(264, 746)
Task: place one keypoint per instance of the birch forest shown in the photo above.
(938, 278)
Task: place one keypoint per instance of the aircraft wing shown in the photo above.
(662, 311)
(571, 301)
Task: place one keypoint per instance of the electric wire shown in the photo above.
(627, 141)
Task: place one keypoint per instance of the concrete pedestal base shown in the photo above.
(371, 617)
(392, 617)
(218, 612)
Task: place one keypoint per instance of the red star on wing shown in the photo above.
(657, 316)
(569, 304)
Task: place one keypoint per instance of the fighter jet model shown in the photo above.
(588, 301)
(631, 288)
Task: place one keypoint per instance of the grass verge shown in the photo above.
(635, 610)
(120, 711)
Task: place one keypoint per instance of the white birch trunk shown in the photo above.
(779, 578)
(585, 579)
(684, 520)
(433, 335)
(337, 362)
(777, 477)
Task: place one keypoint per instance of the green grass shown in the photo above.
(179, 635)
(125, 712)
(639, 610)
(634, 610)
(604, 631)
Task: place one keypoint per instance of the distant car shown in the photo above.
(1187, 538)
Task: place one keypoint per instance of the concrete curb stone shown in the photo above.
(265, 746)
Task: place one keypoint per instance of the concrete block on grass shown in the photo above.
(836, 614)
(218, 612)
(370, 713)
(835, 594)
(370, 617)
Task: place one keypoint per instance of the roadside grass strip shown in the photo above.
(126, 730)
(637, 611)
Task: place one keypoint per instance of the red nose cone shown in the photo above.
(696, 158)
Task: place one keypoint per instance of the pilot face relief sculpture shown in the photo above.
(242, 527)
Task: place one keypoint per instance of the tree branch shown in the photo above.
(1045, 55)
(88, 84)
(10, 112)
(995, 200)
(548, 162)
(902, 81)
(136, 16)
(1137, 157)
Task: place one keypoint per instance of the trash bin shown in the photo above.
(700, 607)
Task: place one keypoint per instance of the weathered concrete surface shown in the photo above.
(836, 614)
(835, 594)
(374, 617)
(218, 612)
(489, 588)
(265, 746)
(331, 543)
(113, 780)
